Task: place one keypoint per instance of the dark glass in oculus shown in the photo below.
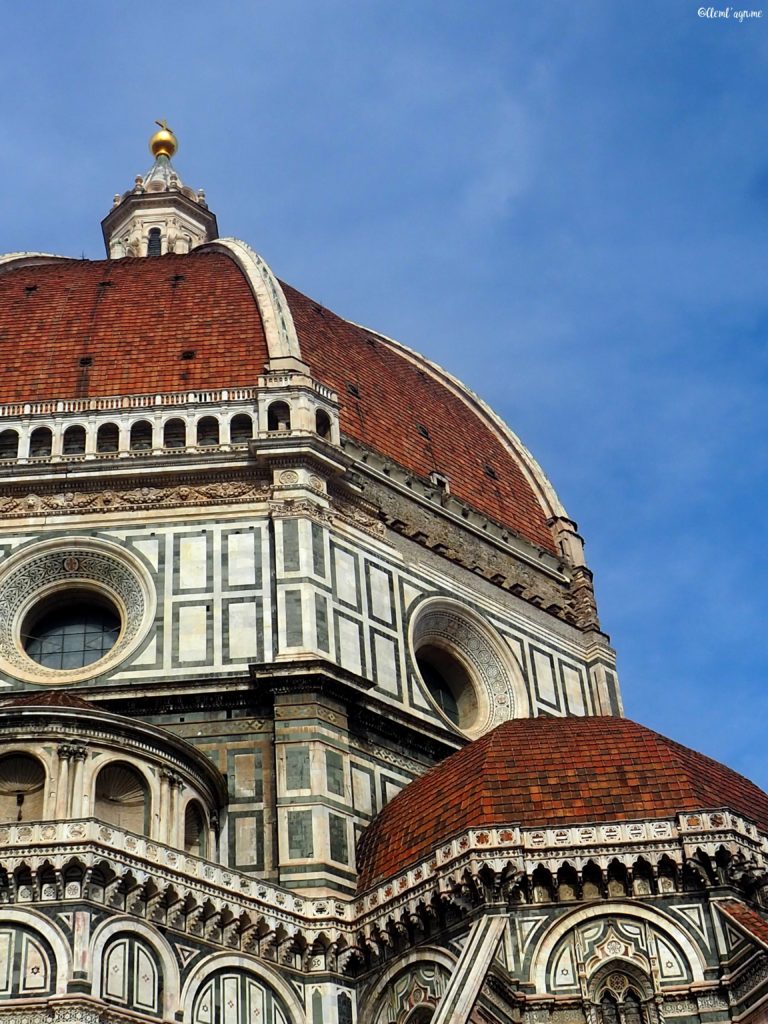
(72, 636)
(439, 689)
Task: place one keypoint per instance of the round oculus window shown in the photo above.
(70, 631)
(463, 666)
(448, 683)
(72, 609)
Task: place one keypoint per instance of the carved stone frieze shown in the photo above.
(69, 1011)
(750, 980)
(679, 1007)
(72, 501)
(408, 764)
(36, 1016)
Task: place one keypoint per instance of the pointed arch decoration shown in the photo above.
(49, 938)
(417, 979)
(131, 975)
(27, 964)
(670, 931)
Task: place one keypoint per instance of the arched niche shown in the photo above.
(278, 416)
(323, 424)
(73, 440)
(174, 433)
(195, 830)
(121, 798)
(241, 428)
(41, 443)
(141, 436)
(207, 431)
(108, 438)
(22, 788)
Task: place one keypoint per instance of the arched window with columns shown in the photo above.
(622, 994)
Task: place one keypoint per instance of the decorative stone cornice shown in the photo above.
(339, 512)
(477, 868)
(459, 539)
(158, 869)
(68, 1009)
(511, 853)
(378, 470)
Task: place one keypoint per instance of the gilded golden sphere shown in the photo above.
(164, 142)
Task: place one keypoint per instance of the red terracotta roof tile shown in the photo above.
(515, 775)
(133, 318)
(748, 920)
(396, 399)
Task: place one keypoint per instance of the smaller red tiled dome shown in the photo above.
(538, 772)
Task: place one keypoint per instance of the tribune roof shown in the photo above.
(48, 699)
(748, 919)
(549, 772)
(78, 328)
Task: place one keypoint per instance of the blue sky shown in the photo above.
(565, 204)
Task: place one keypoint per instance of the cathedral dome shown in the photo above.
(190, 322)
(551, 772)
